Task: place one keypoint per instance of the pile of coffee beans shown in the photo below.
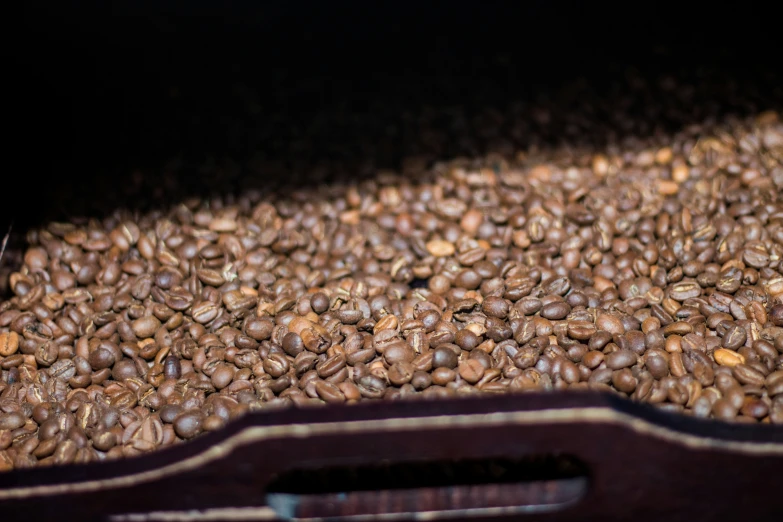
(650, 268)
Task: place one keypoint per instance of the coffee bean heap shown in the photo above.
(651, 268)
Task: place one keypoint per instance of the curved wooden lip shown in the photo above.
(473, 412)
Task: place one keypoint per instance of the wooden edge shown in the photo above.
(257, 434)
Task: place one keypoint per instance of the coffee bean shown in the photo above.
(471, 370)
(555, 311)
(104, 440)
(398, 352)
(624, 380)
(729, 358)
(259, 329)
(145, 327)
(319, 302)
(466, 339)
(774, 383)
(755, 408)
(724, 410)
(222, 376)
(9, 343)
(440, 248)
(65, 452)
(682, 291)
(775, 317)
(101, 358)
(442, 280)
(400, 373)
(11, 421)
(444, 358)
(371, 386)
(746, 374)
(620, 359)
(442, 376)
(188, 424)
(421, 380)
(329, 393)
(172, 368)
(581, 330)
(495, 307)
(569, 372)
(610, 324)
(734, 337)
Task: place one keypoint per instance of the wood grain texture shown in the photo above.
(640, 461)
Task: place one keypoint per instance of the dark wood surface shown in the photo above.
(641, 464)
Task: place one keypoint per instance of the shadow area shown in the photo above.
(142, 105)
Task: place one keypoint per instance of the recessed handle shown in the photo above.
(441, 489)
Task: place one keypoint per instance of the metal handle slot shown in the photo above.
(431, 489)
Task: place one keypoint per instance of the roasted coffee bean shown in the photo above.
(620, 359)
(682, 291)
(444, 358)
(734, 337)
(328, 392)
(775, 316)
(746, 374)
(471, 370)
(555, 311)
(401, 373)
(466, 339)
(624, 380)
(9, 343)
(189, 424)
(145, 327)
(11, 420)
(645, 268)
(371, 386)
(398, 352)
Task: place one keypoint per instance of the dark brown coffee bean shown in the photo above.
(65, 452)
(401, 373)
(169, 412)
(466, 339)
(172, 368)
(444, 358)
(748, 375)
(328, 392)
(471, 370)
(624, 380)
(371, 386)
(495, 307)
(569, 372)
(319, 302)
(775, 315)
(755, 408)
(555, 311)
(421, 380)
(682, 291)
(442, 376)
(11, 421)
(259, 329)
(145, 327)
(222, 376)
(734, 337)
(724, 410)
(101, 358)
(104, 440)
(729, 280)
(188, 424)
(620, 359)
(581, 330)
(398, 352)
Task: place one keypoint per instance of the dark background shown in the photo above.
(103, 88)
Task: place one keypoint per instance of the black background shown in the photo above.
(92, 83)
